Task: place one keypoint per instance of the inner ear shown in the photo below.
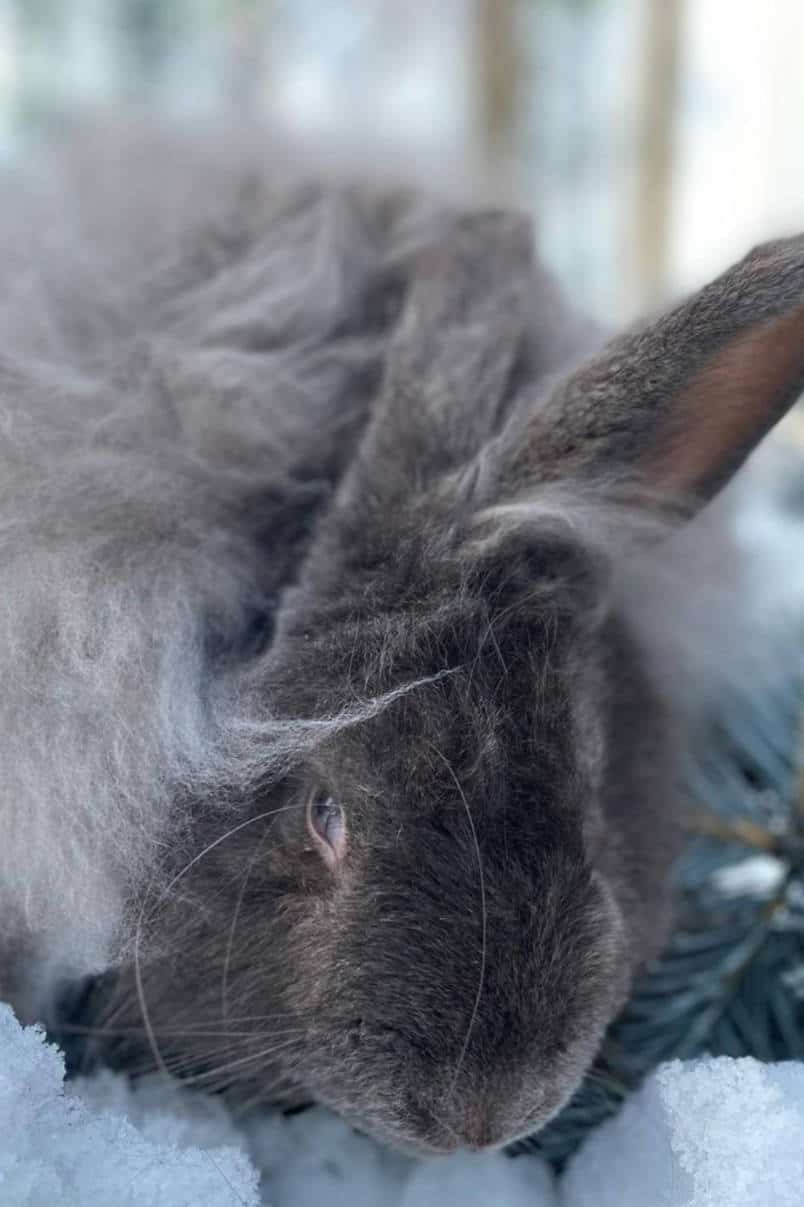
(728, 404)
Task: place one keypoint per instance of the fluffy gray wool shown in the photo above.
(172, 353)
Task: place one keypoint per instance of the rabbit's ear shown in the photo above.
(458, 344)
(678, 404)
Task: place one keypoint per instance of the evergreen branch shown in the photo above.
(731, 981)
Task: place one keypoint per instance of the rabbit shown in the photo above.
(344, 730)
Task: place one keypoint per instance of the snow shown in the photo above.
(714, 1133)
(55, 1151)
(710, 1133)
(756, 876)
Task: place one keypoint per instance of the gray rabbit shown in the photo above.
(349, 636)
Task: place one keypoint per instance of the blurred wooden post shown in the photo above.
(657, 97)
(497, 74)
(249, 23)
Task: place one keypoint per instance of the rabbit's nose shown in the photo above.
(469, 1124)
(466, 1122)
(477, 1129)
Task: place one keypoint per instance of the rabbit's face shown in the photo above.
(480, 856)
(454, 953)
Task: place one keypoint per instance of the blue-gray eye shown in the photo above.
(327, 825)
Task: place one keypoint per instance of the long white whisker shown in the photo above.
(146, 1017)
(251, 1058)
(230, 939)
(482, 884)
(222, 838)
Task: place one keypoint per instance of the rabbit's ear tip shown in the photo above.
(777, 251)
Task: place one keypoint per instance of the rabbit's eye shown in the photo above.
(327, 825)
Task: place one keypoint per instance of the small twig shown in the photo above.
(746, 833)
(799, 801)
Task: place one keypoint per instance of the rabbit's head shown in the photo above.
(479, 859)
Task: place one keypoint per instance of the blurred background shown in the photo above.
(654, 140)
